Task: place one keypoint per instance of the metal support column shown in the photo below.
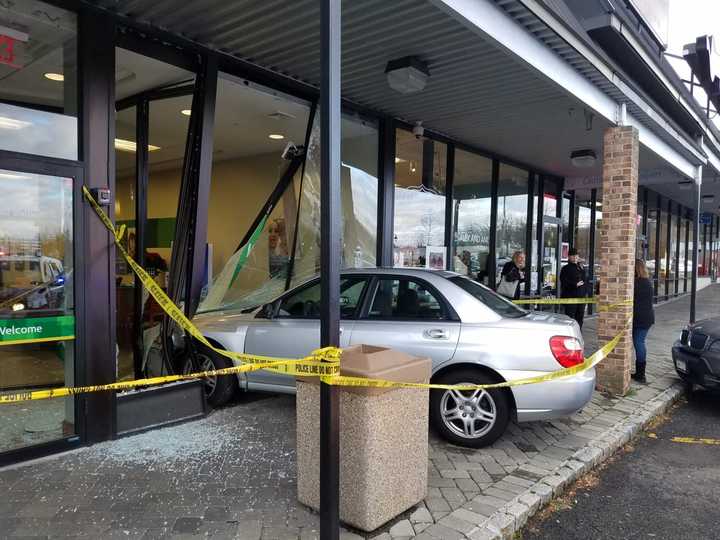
(386, 193)
(696, 234)
(676, 269)
(656, 275)
(330, 255)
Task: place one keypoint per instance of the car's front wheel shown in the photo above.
(472, 418)
(218, 389)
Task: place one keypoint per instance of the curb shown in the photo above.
(512, 516)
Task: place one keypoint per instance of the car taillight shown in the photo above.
(567, 351)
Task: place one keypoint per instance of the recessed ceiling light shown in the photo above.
(57, 77)
(186, 112)
(276, 136)
(131, 146)
(400, 160)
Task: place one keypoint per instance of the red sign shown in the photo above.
(7, 51)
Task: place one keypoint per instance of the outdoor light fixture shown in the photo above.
(57, 77)
(131, 146)
(276, 136)
(685, 184)
(583, 158)
(708, 198)
(407, 75)
(12, 123)
(186, 112)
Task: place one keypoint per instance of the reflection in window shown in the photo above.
(471, 206)
(420, 175)
(38, 70)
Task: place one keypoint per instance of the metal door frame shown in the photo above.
(17, 161)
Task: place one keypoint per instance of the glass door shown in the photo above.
(37, 299)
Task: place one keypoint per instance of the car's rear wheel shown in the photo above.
(218, 389)
(472, 418)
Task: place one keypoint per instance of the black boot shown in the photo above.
(639, 375)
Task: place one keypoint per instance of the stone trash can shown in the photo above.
(383, 438)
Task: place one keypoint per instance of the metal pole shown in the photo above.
(696, 239)
(330, 255)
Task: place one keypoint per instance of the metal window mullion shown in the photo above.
(668, 240)
(528, 230)
(386, 193)
(678, 228)
(591, 249)
(540, 231)
(656, 274)
(571, 219)
(142, 174)
(492, 248)
(449, 199)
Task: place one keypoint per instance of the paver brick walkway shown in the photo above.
(232, 474)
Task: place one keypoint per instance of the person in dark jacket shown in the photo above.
(572, 285)
(643, 318)
(513, 273)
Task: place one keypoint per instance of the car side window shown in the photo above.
(405, 299)
(305, 303)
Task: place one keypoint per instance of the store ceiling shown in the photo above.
(477, 93)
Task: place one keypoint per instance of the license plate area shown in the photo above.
(681, 365)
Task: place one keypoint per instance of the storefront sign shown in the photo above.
(706, 218)
(34, 330)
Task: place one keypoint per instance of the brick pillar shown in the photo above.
(617, 254)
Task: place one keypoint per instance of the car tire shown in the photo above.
(464, 418)
(218, 390)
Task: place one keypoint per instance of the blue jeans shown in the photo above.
(639, 335)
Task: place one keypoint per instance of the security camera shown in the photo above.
(418, 130)
(291, 151)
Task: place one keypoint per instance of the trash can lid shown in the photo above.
(375, 362)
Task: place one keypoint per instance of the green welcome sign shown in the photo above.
(36, 330)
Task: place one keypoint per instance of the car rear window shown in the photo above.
(491, 299)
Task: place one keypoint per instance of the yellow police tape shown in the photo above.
(323, 363)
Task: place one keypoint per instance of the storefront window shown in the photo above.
(682, 261)
(419, 225)
(471, 207)
(38, 70)
(511, 216)
(582, 231)
(168, 121)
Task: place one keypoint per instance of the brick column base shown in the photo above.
(617, 254)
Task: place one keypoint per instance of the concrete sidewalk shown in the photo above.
(232, 475)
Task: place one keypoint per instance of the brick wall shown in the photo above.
(617, 253)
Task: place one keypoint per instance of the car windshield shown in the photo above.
(491, 299)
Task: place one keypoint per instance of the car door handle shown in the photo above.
(435, 333)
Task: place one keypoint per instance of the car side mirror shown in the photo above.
(268, 311)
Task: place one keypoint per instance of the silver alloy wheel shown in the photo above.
(206, 364)
(468, 414)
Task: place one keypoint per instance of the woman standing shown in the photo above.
(643, 318)
(512, 276)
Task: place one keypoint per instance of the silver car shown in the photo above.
(471, 334)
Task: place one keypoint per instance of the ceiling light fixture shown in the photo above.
(186, 112)
(407, 75)
(400, 160)
(583, 159)
(276, 136)
(708, 198)
(131, 146)
(57, 77)
(13, 123)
